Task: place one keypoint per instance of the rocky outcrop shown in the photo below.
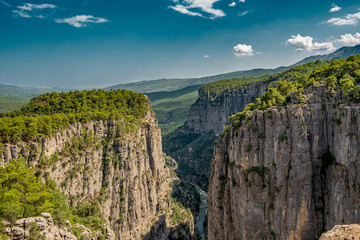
(213, 112)
(118, 163)
(341, 232)
(287, 173)
(44, 227)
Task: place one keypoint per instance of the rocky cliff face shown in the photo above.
(211, 113)
(119, 164)
(287, 173)
(192, 144)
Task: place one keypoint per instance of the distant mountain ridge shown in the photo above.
(173, 84)
(12, 90)
(343, 52)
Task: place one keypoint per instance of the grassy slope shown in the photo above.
(10, 103)
(173, 111)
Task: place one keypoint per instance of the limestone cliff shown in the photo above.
(287, 172)
(191, 145)
(211, 112)
(120, 165)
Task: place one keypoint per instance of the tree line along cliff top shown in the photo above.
(46, 114)
(341, 76)
(216, 88)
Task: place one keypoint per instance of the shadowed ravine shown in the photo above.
(202, 214)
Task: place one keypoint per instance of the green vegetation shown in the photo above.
(172, 112)
(328, 159)
(51, 112)
(177, 144)
(10, 103)
(187, 195)
(259, 170)
(89, 214)
(179, 213)
(179, 83)
(338, 75)
(216, 88)
(34, 232)
(23, 195)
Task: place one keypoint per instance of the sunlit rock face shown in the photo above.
(287, 173)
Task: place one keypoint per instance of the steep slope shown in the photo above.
(103, 147)
(172, 108)
(212, 110)
(192, 144)
(287, 167)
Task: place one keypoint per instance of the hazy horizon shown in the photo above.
(89, 44)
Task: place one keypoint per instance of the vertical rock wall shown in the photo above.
(208, 114)
(287, 173)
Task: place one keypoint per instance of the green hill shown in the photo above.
(12, 90)
(10, 103)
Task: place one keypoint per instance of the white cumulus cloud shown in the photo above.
(306, 43)
(81, 20)
(233, 4)
(29, 10)
(30, 6)
(21, 14)
(334, 8)
(206, 56)
(182, 9)
(242, 1)
(349, 19)
(242, 50)
(200, 8)
(349, 39)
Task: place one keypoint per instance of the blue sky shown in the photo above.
(93, 43)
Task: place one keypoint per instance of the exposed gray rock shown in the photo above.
(272, 179)
(124, 169)
(22, 229)
(208, 114)
(341, 232)
(192, 144)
